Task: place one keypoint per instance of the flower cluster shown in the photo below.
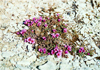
(30, 40)
(81, 50)
(42, 50)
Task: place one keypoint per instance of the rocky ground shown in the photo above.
(82, 15)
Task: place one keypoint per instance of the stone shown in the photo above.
(7, 54)
(22, 67)
(48, 66)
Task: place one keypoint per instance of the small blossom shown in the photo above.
(34, 18)
(44, 20)
(68, 48)
(66, 52)
(44, 50)
(45, 25)
(29, 20)
(54, 30)
(44, 38)
(56, 49)
(18, 33)
(57, 14)
(23, 31)
(40, 18)
(29, 24)
(88, 53)
(29, 39)
(48, 53)
(65, 46)
(36, 21)
(57, 35)
(32, 31)
(59, 20)
(60, 51)
(39, 24)
(65, 30)
(58, 54)
(53, 35)
(48, 18)
(65, 24)
(52, 52)
(84, 51)
(40, 50)
(80, 50)
(32, 41)
(25, 40)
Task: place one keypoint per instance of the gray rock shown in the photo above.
(48, 66)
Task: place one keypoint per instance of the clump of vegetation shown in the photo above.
(52, 36)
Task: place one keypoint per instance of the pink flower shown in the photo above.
(29, 24)
(40, 18)
(57, 14)
(52, 52)
(44, 20)
(48, 18)
(39, 24)
(84, 51)
(32, 31)
(56, 49)
(57, 35)
(66, 52)
(65, 46)
(59, 20)
(68, 48)
(45, 25)
(29, 20)
(88, 53)
(65, 30)
(32, 23)
(48, 53)
(65, 24)
(18, 33)
(23, 31)
(44, 50)
(40, 50)
(29, 39)
(25, 40)
(44, 38)
(34, 18)
(54, 30)
(58, 54)
(80, 50)
(60, 51)
(32, 41)
(53, 35)
(36, 21)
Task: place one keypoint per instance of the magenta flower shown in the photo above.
(36, 21)
(39, 24)
(29, 24)
(23, 31)
(44, 38)
(68, 48)
(54, 30)
(57, 35)
(45, 25)
(56, 49)
(66, 52)
(60, 51)
(88, 53)
(65, 46)
(29, 39)
(83, 51)
(32, 31)
(32, 41)
(40, 50)
(65, 30)
(48, 18)
(53, 35)
(29, 20)
(32, 23)
(40, 18)
(58, 54)
(57, 14)
(18, 33)
(44, 50)
(59, 20)
(25, 22)
(80, 50)
(48, 53)
(25, 40)
(52, 52)
(34, 18)
(44, 20)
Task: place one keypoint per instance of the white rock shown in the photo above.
(7, 54)
(22, 68)
(48, 66)
(1, 33)
(23, 63)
